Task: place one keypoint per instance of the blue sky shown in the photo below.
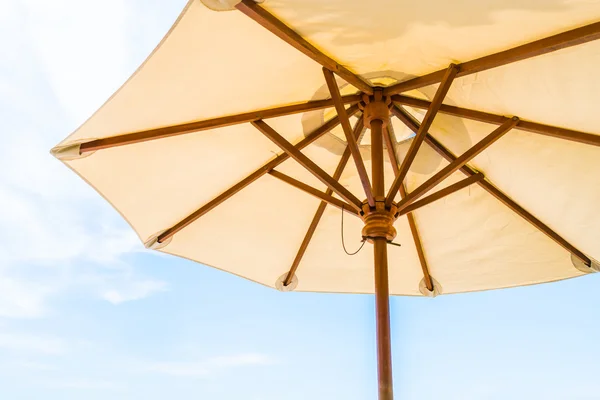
(86, 312)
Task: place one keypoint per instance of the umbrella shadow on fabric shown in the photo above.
(426, 161)
(365, 22)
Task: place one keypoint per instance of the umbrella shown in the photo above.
(468, 126)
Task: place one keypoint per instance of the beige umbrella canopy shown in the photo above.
(252, 128)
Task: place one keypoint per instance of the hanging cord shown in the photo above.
(364, 239)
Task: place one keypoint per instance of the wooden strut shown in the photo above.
(310, 138)
(390, 144)
(352, 145)
(329, 199)
(275, 26)
(534, 127)
(308, 164)
(456, 164)
(563, 40)
(420, 135)
(212, 123)
(442, 193)
(358, 131)
(410, 122)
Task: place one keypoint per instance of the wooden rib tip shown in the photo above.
(286, 283)
(429, 286)
(585, 264)
(424, 287)
(70, 152)
(158, 241)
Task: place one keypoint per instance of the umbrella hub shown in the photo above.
(379, 221)
(376, 107)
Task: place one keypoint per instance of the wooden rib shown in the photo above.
(534, 127)
(315, 192)
(348, 132)
(310, 138)
(305, 242)
(196, 126)
(416, 142)
(459, 162)
(498, 194)
(450, 110)
(477, 177)
(275, 26)
(539, 47)
(321, 209)
(389, 143)
(308, 164)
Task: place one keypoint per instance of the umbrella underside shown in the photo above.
(478, 199)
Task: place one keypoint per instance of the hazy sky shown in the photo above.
(87, 313)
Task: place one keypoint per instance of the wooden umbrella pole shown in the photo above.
(382, 310)
(379, 229)
(382, 292)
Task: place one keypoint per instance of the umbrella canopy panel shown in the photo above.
(217, 64)
(411, 39)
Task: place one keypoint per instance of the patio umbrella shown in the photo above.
(462, 132)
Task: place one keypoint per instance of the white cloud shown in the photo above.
(22, 342)
(46, 231)
(90, 40)
(83, 384)
(53, 247)
(61, 62)
(134, 291)
(240, 360)
(36, 366)
(180, 368)
(22, 298)
(210, 366)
